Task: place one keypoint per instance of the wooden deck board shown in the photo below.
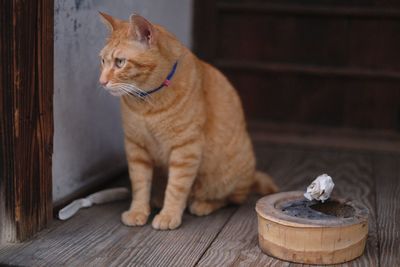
(55, 246)
(387, 176)
(181, 247)
(95, 237)
(229, 237)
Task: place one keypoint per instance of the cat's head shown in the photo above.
(133, 57)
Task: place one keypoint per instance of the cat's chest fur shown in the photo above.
(157, 143)
(155, 136)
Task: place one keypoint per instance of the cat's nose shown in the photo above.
(103, 82)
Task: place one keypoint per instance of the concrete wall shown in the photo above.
(88, 141)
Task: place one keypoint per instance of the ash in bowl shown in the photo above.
(315, 210)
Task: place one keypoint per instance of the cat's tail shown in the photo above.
(264, 184)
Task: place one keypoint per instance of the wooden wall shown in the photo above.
(26, 117)
(321, 62)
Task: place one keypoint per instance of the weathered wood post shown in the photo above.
(26, 117)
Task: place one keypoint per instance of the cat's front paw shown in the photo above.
(166, 221)
(134, 218)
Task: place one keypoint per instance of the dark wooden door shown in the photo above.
(317, 62)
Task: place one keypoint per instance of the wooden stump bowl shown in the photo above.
(294, 229)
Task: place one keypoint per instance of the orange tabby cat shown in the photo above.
(181, 117)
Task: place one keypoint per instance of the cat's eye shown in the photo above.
(102, 61)
(119, 62)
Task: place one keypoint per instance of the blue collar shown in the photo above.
(166, 83)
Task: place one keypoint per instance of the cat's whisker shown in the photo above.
(128, 90)
(135, 93)
(134, 88)
(146, 97)
(120, 85)
(138, 92)
(116, 87)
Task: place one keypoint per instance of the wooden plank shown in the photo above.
(96, 237)
(181, 247)
(236, 245)
(55, 245)
(323, 46)
(202, 44)
(317, 10)
(26, 121)
(312, 100)
(6, 225)
(332, 63)
(387, 182)
(294, 169)
(325, 137)
(323, 71)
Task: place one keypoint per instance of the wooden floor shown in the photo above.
(96, 237)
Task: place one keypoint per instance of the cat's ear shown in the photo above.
(109, 21)
(142, 30)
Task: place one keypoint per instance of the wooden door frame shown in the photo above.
(26, 121)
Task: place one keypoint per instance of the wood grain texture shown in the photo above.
(96, 237)
(181, 247)
(329, 63)
(340, 4)
(318, 101)
(294, 7)
(54, 246)
(237, 243)
(324, 137)
(387, 180)
(26, 122)
(315, 70)
(319, 46)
